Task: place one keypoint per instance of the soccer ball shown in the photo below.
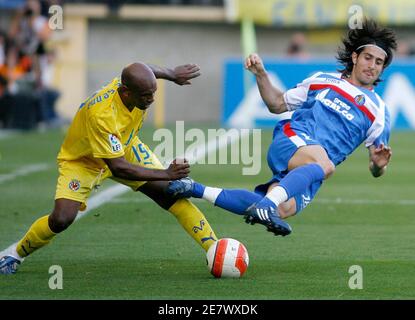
(227, 258)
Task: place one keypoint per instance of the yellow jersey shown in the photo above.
(102, 128)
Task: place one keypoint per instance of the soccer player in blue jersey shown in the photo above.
(333, 114)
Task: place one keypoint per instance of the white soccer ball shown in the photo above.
(227, 258)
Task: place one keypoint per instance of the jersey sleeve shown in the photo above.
(382, 137)
(296, 96)
(104, 138)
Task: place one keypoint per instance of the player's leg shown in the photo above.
(155, 191)
(44, 229)
(233, 200)
(186, 213)
(40, 233)
(297, 165)
(74, 185)
(243, 201)
(298, 203)
(272, 217)
(286, 209)
(238, 201)
(309, 165)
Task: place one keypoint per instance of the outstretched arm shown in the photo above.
(179, 75)
(273, 98)
(379, 158)
(123, 169)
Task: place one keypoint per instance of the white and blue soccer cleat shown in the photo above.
(9, 265)
(8, 261)
(182, 188)
(268, 217)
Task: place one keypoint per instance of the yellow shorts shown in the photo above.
(78, 178)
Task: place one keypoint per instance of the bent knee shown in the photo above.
(60, 220)
(328, 168)
(164, 201)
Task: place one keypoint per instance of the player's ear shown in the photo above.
(354, 57)
(124, 90)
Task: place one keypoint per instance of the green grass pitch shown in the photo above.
(131, 249)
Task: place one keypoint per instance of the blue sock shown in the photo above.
(298, 180)
(198, 190)
(233, 200)
(236, 200)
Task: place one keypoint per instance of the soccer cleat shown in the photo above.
(270, 218)
(9, 265)
(182, 188)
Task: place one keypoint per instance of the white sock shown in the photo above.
(11, 251)
(277, 195)
(211, 194)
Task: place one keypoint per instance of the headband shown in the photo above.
(372, 45)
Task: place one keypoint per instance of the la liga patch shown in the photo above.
(114, 143)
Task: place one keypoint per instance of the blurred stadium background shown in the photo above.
(354, 220)
(100, 37)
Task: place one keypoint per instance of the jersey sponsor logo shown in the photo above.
(114, 143)
(74, 185)
(336, 105)
(360, 99)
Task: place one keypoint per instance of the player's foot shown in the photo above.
(9, 260)
(182, 188)
(8, 265)
(270, 218)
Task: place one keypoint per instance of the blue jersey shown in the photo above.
(339, 116)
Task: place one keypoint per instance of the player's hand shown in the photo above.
(381, 156)
(178, 169)
(254, 64)
(182, 74)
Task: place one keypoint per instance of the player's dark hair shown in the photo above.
(369, 33)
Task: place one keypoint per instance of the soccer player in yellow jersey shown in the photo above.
(102, 143)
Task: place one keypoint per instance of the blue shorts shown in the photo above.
(284, 144)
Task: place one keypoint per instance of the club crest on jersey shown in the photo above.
(74, 185)
(114, 143)
(360, 99)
